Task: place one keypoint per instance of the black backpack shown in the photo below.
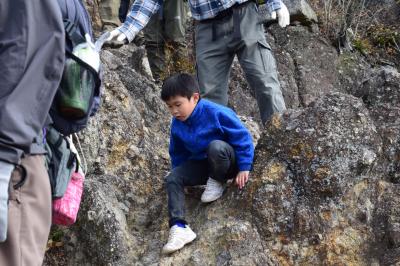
(68, 119)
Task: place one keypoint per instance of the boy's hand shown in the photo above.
(242, 178)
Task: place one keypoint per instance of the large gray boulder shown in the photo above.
(305, 56)
(380, 91)
(319, 196)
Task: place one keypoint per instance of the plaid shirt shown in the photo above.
(142, 10)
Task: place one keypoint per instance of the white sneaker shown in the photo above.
(213, 191)
(178, 237)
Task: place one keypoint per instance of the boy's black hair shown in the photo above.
(181, 84)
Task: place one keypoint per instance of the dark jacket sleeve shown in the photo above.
(31, 63)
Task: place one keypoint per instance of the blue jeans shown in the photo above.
(219, 165)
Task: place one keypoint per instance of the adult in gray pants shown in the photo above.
(225, 28)
(31, 63)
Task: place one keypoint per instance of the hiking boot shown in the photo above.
(213, 191)
(178, 237)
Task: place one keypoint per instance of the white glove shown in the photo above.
(5, 175)
(120, 36)
(283, 15)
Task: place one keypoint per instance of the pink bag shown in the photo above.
(65, 209)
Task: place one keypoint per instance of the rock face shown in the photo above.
(324, 189)
(305, 56)
(316, 187)
(93, 9)
(380, 92)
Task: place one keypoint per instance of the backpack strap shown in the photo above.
(72, 32)
(71, 22)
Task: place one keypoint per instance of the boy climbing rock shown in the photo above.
(208, 145)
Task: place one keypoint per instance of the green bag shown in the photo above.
(78, 81)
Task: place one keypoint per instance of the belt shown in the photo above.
(226, 13)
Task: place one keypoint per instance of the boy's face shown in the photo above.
(181, 107)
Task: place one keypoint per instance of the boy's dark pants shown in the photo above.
(219, 165)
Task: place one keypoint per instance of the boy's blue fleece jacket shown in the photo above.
(210, 121)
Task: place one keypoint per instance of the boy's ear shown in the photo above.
(196, 96)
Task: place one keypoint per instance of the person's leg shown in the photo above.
(190, 173)
(108, 10)
(29, 215)
(213, 61)
(222, 166)
(221, 161)
(155, 45)
(258, 63)
(175, 23)
(123, 10)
